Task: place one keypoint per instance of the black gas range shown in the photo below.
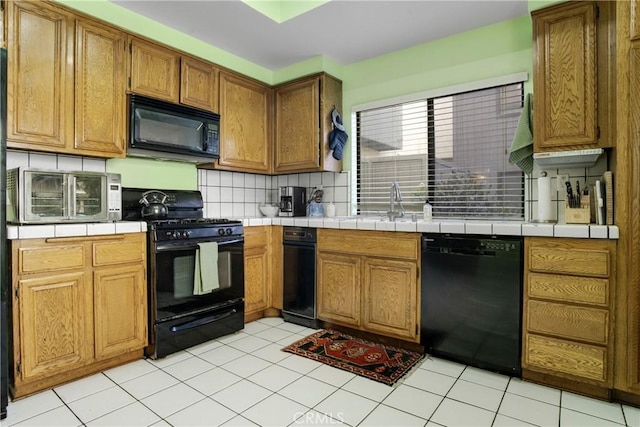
(195, 271)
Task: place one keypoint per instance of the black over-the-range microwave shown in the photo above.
(160, 129)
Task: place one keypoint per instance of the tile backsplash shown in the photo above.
(17, 159)
(237, 194)
(586, 176)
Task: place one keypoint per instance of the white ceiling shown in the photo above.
(346, 31)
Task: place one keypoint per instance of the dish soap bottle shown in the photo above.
(427, 210)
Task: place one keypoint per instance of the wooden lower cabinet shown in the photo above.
(339, 288)
(119, 310)
(390, 297)
(262, 272)
(567, 313)
(256, 270)
(51, 324)
(368, 280)
(79, 305)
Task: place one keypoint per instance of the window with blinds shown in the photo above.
(452, 150)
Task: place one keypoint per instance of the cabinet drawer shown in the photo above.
(569, 261)
(582, 323)
(587, 290)
(370, 243)
(50, 258)
(255, 237)
(568, 357)
(118, 251)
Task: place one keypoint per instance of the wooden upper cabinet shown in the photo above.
(39, 77)
(297, 126)
(572, 80)
(245, 134)
(66, 82)
(162, 73)
(155, 70)
(303, 122)
(198, 84)
(100, 108)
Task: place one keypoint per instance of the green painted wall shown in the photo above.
(146, 173)
(491, 51)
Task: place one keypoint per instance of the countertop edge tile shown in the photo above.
(428, 227)
(478, 227)
(12, 232)
(598, 232)
(36, 231)
(72, 230)
(407, 226)
(457, 227)
(506, 229)
(348, 224)
(512, 228)
(537, 230)
(571, 230)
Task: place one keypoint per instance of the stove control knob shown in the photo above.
(187, 234)
(175, 235)
(229, 231)
(221, 231)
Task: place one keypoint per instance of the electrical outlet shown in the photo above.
(560, 180)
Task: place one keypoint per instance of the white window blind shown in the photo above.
(451, 149)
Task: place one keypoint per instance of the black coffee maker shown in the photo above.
(293, 201)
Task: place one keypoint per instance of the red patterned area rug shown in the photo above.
(374, 361)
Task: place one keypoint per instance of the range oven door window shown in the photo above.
(182, 286)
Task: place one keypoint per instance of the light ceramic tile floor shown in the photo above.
(245, 380)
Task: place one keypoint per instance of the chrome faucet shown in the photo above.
(395, 196)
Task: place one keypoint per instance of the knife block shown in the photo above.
(581, 215)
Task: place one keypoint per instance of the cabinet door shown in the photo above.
(257, 270)
(155, 71)
(119, 306)
(390, 298)
(339, 288)
(256, 279)
(198, 84)
(245, 135)
(298, 126)
(565, 76)
(50, 320)
(100, 105)
(39, 77)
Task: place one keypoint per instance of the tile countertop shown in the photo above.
(500, 228)
(74, 230)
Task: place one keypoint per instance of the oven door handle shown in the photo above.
(163, 247)
(203, 321)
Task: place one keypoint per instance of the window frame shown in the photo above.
(429, 96)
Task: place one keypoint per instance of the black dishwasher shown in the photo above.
(472, 300)
(299, 276)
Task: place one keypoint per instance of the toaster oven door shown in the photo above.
(88, 197)
(44, 197)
